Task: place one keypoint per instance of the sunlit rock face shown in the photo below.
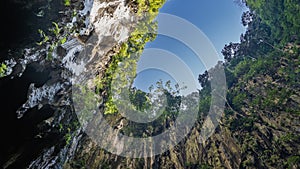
(108, 25)
(102, 26)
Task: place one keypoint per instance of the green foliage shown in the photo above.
(293, 160)
(77, 163)
(74, 13)
(56, 30)
(58, 39)
(60, 127)
(44, 36)
(239, 100)
(68, 136)
(3, 69)
(204, 104)
(122, 68)
(245, 123)
(263, 80)
(63, 40)
(230, 78)
(197, 166)
(168, 113)
(151, 7)
(67, 2)
(242, 68)
(205, 166)
(289, 137)
(282, 16)
(139, 99)
(110, 107)
(66, 130)
(51, 49)
(86, 101)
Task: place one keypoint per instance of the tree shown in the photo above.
(247, 18)
(203, 79)
(230, 50)
(139, 99)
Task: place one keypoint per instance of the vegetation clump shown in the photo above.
(262, 73)
(3, 69)
(129, 53)
(67, 2)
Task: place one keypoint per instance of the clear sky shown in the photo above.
(219, 20)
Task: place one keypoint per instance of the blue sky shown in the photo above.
(219, 20)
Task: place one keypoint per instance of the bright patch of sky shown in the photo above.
(219, 20)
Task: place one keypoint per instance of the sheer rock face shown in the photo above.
(110, 25)
(102, 27)
(107, 25)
